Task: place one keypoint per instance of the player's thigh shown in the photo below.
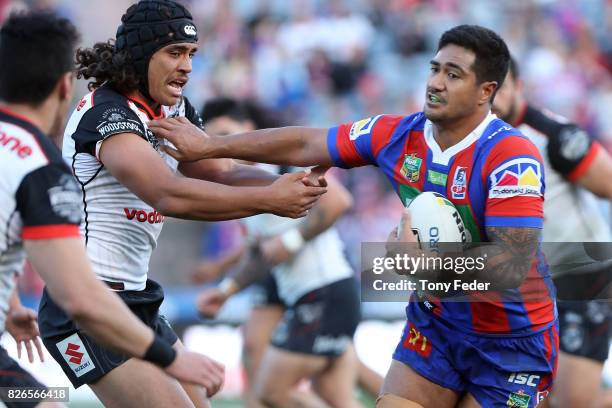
(468, 401)
(404, 382)
(337, 382)
(257, 330)
(578, 381)
(282, 370)
(196, 393)
(137, 383)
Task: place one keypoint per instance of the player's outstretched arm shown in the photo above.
(227, 171)
(63, 265)
(139, 167)
(296, 146)
(260, 258)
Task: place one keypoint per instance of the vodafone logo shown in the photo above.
(190, 30)
(81, 104)
(75, 356)
(15, 145)
(152, 217)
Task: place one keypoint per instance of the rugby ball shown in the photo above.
(436, 220)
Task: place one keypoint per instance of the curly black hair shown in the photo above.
(104, 64)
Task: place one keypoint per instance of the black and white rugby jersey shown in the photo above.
(120, 229)
(571, 213)
(38, 194)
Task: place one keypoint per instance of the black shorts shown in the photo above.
(321, 322)
(265, 293)
(83, 360)
(13, 376)
(584, 328)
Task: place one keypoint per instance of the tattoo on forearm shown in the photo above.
(511, 256)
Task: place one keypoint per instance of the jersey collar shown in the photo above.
(443, 157)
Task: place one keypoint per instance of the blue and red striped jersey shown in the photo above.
(494, 177)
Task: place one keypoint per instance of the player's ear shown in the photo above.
(65, 85)
(487, 89)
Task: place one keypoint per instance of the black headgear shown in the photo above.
(150, 25)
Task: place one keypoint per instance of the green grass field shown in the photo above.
(366, 401)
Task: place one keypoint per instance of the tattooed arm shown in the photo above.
(509, 255)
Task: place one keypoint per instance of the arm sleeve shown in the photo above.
(359, 143)
(571, 150)
(514, 178)
(103, 121)
(49, 202)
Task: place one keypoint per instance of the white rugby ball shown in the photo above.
(436, 220)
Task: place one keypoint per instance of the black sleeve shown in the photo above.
(49, 195)
(568, 146)
(105, 120)
(193, 115)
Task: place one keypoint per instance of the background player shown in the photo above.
(128, 187)
(573, 163)
(501, 203)
(40, 213)
(225, 116)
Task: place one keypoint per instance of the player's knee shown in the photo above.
(269, 396)
(253, 347)
(394, 401)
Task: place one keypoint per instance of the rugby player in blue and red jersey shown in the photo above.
(496, 350)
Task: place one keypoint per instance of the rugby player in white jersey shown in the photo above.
(577, 168)
(40, 214)
(129, 185)
(225, 116)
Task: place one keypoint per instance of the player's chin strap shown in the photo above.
(393, 401)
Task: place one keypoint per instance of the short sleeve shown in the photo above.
(103, 121)
(514, 176)
(571, 151)
(49, 202)
(358, 143)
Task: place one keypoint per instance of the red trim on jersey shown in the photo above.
(488, 313)
(585, 164)
(50, 231)
(147, 109)
(382, 132)
(23, 118)
(346, 148)
(517, 206)
(555, 341)
(17, 115)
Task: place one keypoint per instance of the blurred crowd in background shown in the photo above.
(324, 62)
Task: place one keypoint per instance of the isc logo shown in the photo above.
(524, 378)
